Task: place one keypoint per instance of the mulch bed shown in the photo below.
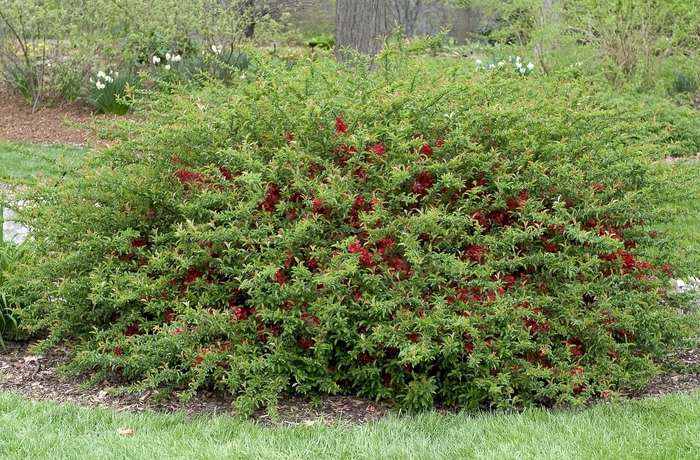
(37, 378)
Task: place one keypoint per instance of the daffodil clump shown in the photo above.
(108, 92)
(514, 63)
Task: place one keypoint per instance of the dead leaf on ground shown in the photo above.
(125, 431)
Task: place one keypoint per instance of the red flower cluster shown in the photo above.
(425, 150)
(272, 198)
(365, 255)
(377, 149)
(423, 183)
(340, 126)
(188, 176)
(306, 342)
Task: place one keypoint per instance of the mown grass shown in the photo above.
(21, 162)
(682, 203)
(663, 428)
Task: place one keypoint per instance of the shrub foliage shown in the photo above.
(402, 233)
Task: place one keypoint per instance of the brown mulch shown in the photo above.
(18, 123)
(37, 378)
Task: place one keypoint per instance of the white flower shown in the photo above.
(478, 62)
(156, 60)
(579, 64)
(518, 64)
(100, 85)
(522, 70)
(109, 79)
(100, 74)
(116, 74)
(167, 67)
(500, 63)
(530, 66)
(517, 58)
(491, 66)
(216, 49)
(167, 56)
(177, 58)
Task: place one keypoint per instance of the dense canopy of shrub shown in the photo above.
(404, 233)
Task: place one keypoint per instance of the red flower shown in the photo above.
(188, 176)
(131, 330)
(280, 277)
(397, 265)
(139, 243)
(118, 351)
(226, 173)
(169, 315)
(272, 198)
(577, 348)
(378, 149)
(605, 394)
(306, 342)
(425, 150)
(577, 371)
(469, 347)
(289, 136)
(192, 275)
(340, 126)
(360, 173)
(413, 337)
(440, 143)
(317, 205)
(310, 320)
(240, 313)
(312, 264)
(423, 183)
(474, 253)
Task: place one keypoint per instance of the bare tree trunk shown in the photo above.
(358, 24)
(406, 14)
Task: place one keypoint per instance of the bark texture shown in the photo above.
(358, 25)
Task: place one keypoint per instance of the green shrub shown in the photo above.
(470, 238)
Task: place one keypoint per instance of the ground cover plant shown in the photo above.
(474, 238)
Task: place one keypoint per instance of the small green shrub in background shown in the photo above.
(415, 233)
(108, 93)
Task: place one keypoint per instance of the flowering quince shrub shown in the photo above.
(471, 238)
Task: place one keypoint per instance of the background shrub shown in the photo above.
(411, 233)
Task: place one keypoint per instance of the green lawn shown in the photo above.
(26, 163)
(664, 428)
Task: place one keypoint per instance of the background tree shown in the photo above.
(358, 24)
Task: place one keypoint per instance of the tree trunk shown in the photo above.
(358, 24)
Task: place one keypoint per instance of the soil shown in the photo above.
(37, 377)
(47, 126)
